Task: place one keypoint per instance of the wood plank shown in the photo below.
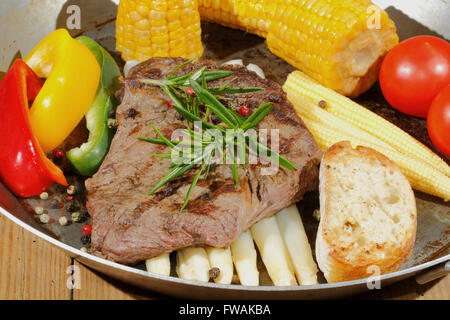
(30, 268)
(440, 290)
(409, 289)
(95, 286)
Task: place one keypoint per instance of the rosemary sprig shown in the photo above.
(228, 142)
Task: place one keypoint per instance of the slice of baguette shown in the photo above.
(368, 214)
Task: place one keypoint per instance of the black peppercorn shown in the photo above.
(71, 207)
(54, 204)
(132, 113)
(85, 239)
(112, 113)
(214, 273)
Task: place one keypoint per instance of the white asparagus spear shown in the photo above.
(273, 252)
(244, 257)
(159, 265)
(221, 258)
(293, 232)
(193, 264)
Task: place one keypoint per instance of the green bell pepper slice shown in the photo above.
(89, 156)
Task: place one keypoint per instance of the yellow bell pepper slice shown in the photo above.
(73, 75)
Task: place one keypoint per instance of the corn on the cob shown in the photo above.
(157, 28)
(250, 16)
(336, 42)
(332, 41)
(365, 119)
(421, 175)
(340, 43)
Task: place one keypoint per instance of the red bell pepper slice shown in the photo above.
(24, 168)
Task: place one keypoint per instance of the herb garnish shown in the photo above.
(204, 146)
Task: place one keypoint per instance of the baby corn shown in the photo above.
(307, 109)
(302, 86)
(422, 176)
(157, 28)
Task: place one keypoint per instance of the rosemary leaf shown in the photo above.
(157, 82)
(196, 75)
(208, 160)
(233, 90)
(233, 166)
(167, 141)
(241, 147)
(179, 67)
(271, 154)
(177, 143)
(174, 173)
(204, 84)
(165, 156)
(181, 108)
(209, 76)
(191, 188)
(224, 114)
(256, 117)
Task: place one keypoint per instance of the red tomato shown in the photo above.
(438, 121)
(414, 72)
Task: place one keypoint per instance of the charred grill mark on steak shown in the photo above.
(130, 226)
(200, 206)
(135, 129)
(170, 188)
(281, 116)
(258, 191)
(273, 97)
(132, 113)
(205, 196)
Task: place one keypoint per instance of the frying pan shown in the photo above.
(24, 22)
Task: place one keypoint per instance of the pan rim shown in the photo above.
(76, 254)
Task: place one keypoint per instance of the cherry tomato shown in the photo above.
(438, 121)
(414, 72)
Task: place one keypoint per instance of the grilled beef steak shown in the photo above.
(130, 226)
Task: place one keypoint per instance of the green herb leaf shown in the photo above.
(224, 114)
(179, 67)
(233, 90)
(174, 173)
(166, 141)
(209, 76)
(271, 154)
(256, 117)
(165, 156)
(191, 188)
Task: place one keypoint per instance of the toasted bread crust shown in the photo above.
(340, 260)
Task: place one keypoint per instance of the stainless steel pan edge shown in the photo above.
(196, 290)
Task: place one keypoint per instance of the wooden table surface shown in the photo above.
(31, 268)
